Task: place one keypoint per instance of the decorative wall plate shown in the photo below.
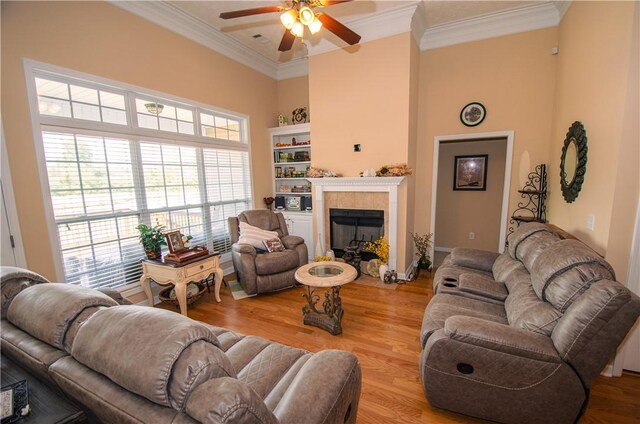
(473, 114)
(573, 162)
(299, 115)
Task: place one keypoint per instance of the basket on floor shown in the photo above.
(194, 292)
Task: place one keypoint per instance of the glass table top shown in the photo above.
(324, 271)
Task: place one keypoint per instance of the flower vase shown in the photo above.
(153, 254)
(383, 270)
(424, 263)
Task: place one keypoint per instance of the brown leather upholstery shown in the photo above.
(261, 271)
(532, 357)
(132, 364)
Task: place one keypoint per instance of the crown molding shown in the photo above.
(562, 7)
(493, 25)
(174, 19)
(419, 23)
(293, 68)
(373, 27)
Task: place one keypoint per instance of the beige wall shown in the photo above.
(593, 87)
(292, 94)
(362, 95)
(512, 76)
(460, 212)
(103, 40)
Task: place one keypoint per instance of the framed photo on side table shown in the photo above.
(470, 172)
(174, 241)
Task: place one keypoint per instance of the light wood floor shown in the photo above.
(381, 327)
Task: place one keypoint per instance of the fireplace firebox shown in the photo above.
(351, 228)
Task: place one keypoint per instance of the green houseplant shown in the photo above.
(423, 244)
(152, 239)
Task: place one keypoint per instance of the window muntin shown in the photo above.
(220, 127)
(102, 186)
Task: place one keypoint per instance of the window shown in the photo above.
(161, 169)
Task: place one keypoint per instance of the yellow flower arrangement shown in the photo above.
(380, 247)
(322, 258)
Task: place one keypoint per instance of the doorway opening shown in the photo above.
(470, 207)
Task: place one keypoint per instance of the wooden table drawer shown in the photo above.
(194, 269)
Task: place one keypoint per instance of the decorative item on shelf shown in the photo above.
(282, 120)
(269, 201)
(397, 170)
(289, 172)
(533, 207)
(470, 172)
(299, 115)
(368, 173)
(423, 245)
(152, 239)
(298, 174)
(299, 189)
(283, 145)
(314, 172)
(573, 162)
(294, 142)
(284, 188)
(300, 156)
(278, 172)
(473, 114)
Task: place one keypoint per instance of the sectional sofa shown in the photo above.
(132, 364)
(519, 337)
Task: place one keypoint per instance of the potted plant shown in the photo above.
(423, 244)
(152, 239)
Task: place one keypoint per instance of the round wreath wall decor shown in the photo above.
(573, 162)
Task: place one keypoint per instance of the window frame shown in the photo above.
(41, 123)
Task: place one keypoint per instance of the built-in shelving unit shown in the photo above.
(290, 160)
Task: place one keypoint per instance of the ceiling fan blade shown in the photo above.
(249, 12)
(287, 41)
(338, 29)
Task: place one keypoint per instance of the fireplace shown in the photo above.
(354, 227)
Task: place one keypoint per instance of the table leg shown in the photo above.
(181, 295)
(330, 319)
(144, 282)
(219, 278)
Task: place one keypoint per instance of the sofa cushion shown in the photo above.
(255, 236)
(530, 248)
(527, 311)
(13, 281)
(122, 344)
(523, 232)
(46, 310)
(482, 286)
(504, 266)
(275, 262)
(473, 258)
(564, 270)
(263, 219)
(443, 306)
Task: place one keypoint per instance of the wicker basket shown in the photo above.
(165, 295)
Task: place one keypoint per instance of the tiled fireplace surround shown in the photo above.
(358, 193)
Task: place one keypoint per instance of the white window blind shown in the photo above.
(103, 185)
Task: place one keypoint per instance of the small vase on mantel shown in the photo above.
(383, 270)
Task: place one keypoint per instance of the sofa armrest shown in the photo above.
(290, 242)
(473, 258)
(228, 400)
(501, 338)
(244, 248)
(325, 390)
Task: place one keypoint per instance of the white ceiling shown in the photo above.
(433, 23)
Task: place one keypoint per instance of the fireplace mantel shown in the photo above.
(360, 184)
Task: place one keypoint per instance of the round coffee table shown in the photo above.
(332, 275)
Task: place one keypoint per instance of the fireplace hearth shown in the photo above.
(352, 228)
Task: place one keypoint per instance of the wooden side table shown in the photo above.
(180, 275)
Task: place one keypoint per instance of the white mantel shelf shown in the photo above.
(360, 184)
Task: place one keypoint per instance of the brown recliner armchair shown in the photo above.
(262, 272)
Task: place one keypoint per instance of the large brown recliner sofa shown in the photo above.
(262, 272)
(132, 364)
(519, 337)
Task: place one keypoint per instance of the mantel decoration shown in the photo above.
(423, 244)
(314, 172)
(470, 172)
(573, 163)
(473, 114)
(152, 239)
(282, 120)
(397, 170)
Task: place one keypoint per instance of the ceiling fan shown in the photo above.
(299, 15)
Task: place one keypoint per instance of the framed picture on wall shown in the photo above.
(470, 172)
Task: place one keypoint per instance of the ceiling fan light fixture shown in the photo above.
(297, 29)
(289, 18)
(315, 26)
(306, 15)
